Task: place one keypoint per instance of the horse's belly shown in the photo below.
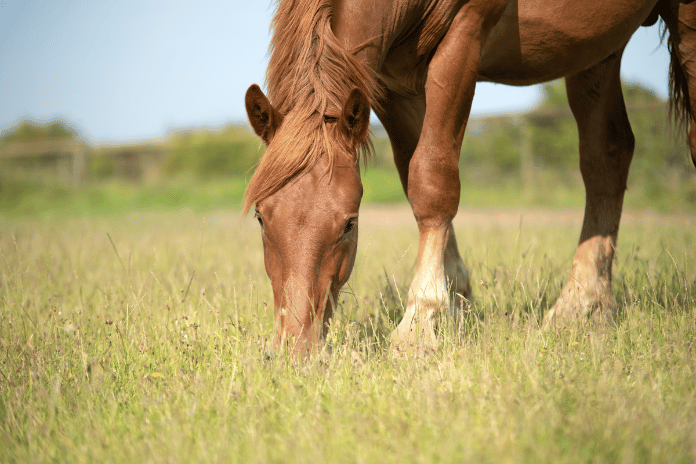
(537, 41)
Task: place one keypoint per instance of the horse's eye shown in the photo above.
(350, 225)
(258, 218)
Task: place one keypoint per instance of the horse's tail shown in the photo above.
(679, 102)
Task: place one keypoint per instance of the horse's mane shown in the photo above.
(310, 75)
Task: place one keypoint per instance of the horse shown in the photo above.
(416, 64)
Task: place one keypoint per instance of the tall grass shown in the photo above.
(141, 339)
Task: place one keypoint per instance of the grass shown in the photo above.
(140, 338)
(22, 196)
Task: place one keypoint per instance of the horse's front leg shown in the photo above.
(432, 182)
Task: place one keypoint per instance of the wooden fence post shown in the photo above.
(78, 163)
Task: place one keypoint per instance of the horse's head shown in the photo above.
(309, 220)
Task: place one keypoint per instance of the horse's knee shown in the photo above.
(434, 189)
(621, 138)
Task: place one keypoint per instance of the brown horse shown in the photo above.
(416, 63)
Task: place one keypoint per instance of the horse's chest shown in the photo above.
(404, 72)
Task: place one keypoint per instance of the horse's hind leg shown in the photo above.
(606, 149)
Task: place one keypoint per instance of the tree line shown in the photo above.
(511, 145)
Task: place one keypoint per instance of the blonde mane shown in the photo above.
(309, 76)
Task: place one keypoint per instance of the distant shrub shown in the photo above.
(29, 131)
(232, 151)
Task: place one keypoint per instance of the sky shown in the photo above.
(135, 70)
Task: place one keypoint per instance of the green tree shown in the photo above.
(28, 131)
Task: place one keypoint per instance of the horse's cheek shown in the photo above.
(269, 258)
(346, 264)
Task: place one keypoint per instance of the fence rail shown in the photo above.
(73, 149)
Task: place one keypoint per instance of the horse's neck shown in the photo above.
(384, 24)
(356, 23)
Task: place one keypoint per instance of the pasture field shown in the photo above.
(140, 338)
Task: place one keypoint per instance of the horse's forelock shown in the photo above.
(291, 152)
(309, 76)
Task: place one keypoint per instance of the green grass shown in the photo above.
(35, 197)
(140, 339)
(22, 196)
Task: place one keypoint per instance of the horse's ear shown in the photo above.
(355, 118)
(263, 117)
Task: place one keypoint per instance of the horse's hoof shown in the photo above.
(421, 341)
(579, 309)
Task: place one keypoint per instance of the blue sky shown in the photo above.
(134, 70)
